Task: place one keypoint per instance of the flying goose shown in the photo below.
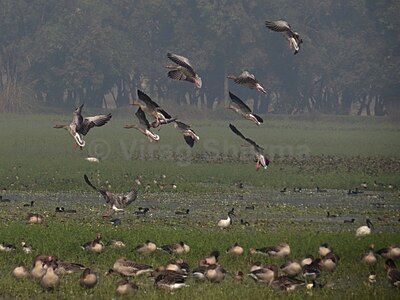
(116, 202)
(241, 108)
(225, 223)
(261, 160)
(81, 126)
(248, 80)
(365, 230)
(88, 279)
(183, 70)
(144, 126)
(188, 134)
(153, 109)
(393, 273)
(284, 27)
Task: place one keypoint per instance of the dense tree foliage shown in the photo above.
(61, 52)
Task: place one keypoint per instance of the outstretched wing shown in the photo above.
(239, 103)
(147, 100)
(130, 197)
(246, 78)
(279, 26)
(189, 140)
(103, 192)
(182, 126)
(142, 118)
(250, 141)
(182, 61)
(91, 122)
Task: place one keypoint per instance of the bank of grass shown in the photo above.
(36, 157)
(64, 240)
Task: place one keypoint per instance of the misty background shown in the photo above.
(57, 53)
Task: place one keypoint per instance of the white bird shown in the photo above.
(365, 230)
(225, 223)
(92, 159)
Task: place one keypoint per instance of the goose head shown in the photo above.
(78, 110)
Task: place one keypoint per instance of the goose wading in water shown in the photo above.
(188, 134)
(248, 80)
(225, 223)
(153, 109)
(261, 160)
(144, 126)
(365, 230)
(183, 70)
(291, 36)
(241, 108)
(116, 202)
(80, 126)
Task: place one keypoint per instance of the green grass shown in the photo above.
(36, 157)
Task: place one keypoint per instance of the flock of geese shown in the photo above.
(292, 274)
(182, 70)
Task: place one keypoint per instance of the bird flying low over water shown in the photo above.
(188, 134)
(241, 108)
(248, 80)
(153, 109)
(183, 70)
(144, 126)
(116, 202)
(81, 126)
(284, 27)
(261, 160)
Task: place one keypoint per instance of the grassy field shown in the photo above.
(335, 153)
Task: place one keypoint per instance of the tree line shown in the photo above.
(61, 52)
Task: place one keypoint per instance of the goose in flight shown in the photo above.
(144, 126)
(80, 126)
(152, 108)
(188, 134)
(116, 202)
(183, 70)
(261, 160)
(248, 80)
(284, 27)
(241, 108)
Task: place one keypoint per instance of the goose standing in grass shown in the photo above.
(392, 252)
(146, 248)
(264, 274)
(80, 126)
(248, 80)
(95, 246)
(147, 105)
(241, 108)
(188, 134)
(50, 279)
(291, 36)
(393, 274)
(20, 272)
(225, 223)
(369, 257)
(261, 160)
(144, 126)
(177, 248)
(129, 268)
(235, 249)
(183, 70)
(88, 279)
(126, 288)
(365, 230)
(116, 202)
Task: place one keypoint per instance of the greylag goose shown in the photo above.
(264, 274)
(144, 126)
(392, 252)
(146, 248)
(177, 248)
(125, 287)
(152, 108)
(50, 279)
(393, 274)
(215, 273)
(129, 268)
(280, 251)
(291, 268)
(284, 27)
(183, 70)
(20, 272)
(248, 80)
(80, 126)
(369, 258)
(170, 282)
(212, 259)
(235, 249)
(188, 134)
(261, 160)
(241, 108)
(116, 202)
(88, 279)
(95, 246)
(38, 269)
